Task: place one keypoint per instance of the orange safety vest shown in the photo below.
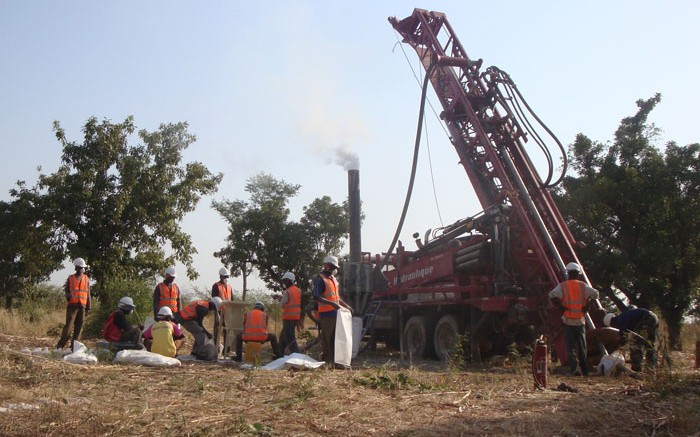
(225, 291)
(573, 298)
(110, 331)
(291, 310)
(167, 296)
(189, 312)
(79, 289)
(330, 293)
(255, 327)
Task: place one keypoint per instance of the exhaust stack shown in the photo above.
(354, 212)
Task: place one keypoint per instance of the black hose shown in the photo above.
(416, 148)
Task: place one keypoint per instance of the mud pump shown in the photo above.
(481, 283)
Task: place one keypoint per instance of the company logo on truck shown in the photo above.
(416, 274)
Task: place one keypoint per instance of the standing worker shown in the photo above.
(77, 291)
(255, 328)
(164, 337)
(573, 296)
(192, 318)
(291, 314)
(223, 290)
(327, 294)
(645, 326)
(118, 329)
(167, 294)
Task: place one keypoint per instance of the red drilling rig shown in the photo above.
(483, 280)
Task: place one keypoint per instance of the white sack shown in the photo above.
(343, 337)
(293, 361)
(610, 363)
(80, 355)
(145, 358)
(356, 335)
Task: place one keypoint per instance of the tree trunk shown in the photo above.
(244, 272)
(674, 323)
(674, 337)
(8, 302)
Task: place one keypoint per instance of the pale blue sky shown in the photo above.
(277, 86)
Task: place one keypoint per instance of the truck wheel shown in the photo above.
(417, 341)
(446, 337)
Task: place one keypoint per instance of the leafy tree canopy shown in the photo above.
(262, 238)
(119, 205)
(637, 210)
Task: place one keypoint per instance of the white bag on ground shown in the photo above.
(293, 361)
(343, 337)
(80, 355)
(145, 358)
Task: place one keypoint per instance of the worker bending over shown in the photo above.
(192, 318)
(644, 325)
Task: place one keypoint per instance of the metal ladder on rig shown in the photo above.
(368, 322)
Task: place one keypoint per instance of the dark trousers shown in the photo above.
(575, 337)
(648, 328)
(131, 335)
(272, 338)
(288, 337)
(328, 338)
(75, 315)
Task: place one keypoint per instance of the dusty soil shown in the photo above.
(379, 396)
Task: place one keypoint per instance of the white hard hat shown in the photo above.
(217, 302)
(165, 311)
(170, 271)
(607, 319)
(573, 267)
(290, 276)
(330, 259)
(79, 262)
(223, 271)
(126, 302)
(259, 305)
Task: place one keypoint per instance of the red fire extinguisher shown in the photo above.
(539, 363)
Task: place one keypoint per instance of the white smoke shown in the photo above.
(347, 158)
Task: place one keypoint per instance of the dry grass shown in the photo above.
(49, 397)
(42, 324)
(43, 396)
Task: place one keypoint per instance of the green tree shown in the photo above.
(264, 239)
(638, 212)
(30, 249)
(120, 205)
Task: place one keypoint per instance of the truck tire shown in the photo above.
(446, 337)
(417, 337)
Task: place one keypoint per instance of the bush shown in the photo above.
(39, 300)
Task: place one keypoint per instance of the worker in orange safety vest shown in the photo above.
(255, 325)
(327, 293)
(222, 289)
(77, 292)
(291, 314)
(573, 296)
(167, 293)
(192, 319)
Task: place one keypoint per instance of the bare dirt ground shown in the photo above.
(379, 396)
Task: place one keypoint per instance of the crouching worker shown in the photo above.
(164, 337)
(643, 326)
(192, 318)
(117, 328)
(255, 330)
